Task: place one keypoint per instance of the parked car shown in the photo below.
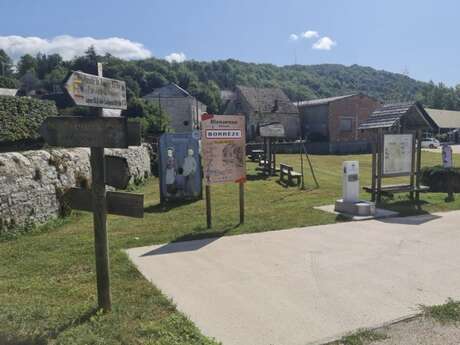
(431, 143)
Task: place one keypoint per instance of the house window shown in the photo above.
(185, 123)
(346, 124)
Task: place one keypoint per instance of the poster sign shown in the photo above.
(179, 167)
(223, 142)
(447, 156)
(397, 154)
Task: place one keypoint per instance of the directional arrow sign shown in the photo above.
(76, 131)
(119, 203)
(94, 91)
(117, 172)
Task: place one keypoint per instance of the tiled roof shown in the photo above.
(389, 115)
(268, 100)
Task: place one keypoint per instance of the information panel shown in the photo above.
(397, 154)
(223, 145)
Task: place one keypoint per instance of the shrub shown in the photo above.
(442, 180)
(21, 117)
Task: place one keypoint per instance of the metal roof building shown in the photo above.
(444, 119)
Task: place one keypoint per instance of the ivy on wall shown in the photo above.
(21, 117)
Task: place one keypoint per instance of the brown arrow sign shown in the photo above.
(117, 172)
(94, 91)
(78, 131)
(118, 203)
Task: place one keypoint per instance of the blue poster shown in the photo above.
(179, 167)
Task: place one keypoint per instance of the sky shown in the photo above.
(419, 38)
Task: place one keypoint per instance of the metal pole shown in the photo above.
(97, 161)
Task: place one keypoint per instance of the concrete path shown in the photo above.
(309, 285)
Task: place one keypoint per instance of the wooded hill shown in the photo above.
(205, 79)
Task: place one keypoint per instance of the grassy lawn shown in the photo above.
(47, 278)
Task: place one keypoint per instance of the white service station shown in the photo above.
(350, 203)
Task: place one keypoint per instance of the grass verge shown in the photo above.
(47, 278)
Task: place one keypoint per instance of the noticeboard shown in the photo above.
(397, 154)
(224, 146)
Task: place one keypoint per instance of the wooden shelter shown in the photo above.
(395, 131)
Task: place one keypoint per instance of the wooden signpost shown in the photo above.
(99, 132)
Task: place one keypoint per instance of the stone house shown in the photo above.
(336, 119)
(183, 109)
(263, 105)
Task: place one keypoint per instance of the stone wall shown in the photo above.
(32, 183)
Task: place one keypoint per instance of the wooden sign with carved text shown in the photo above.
(79, 131)
(118, 203)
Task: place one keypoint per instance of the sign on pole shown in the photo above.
(224, 151)
(96, 91)
(224, 148)
(272, 130)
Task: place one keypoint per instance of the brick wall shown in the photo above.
(356, 109)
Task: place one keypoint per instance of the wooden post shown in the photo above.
(208, 206)
(97, 161)
(374, 169)
(301, 164)
(380, 164)
(270, 156)
(419, 164)
(241, 202)
(412, 167)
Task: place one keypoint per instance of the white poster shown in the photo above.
(397, 154)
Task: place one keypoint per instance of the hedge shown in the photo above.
(440, 179)
(21, 117)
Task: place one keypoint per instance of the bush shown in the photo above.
(21, 117)
(440, 179)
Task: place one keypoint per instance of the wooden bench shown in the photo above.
(256, 155)
(288, 171)
(397, 188)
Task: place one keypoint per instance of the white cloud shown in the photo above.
(176, 57)
(310, 34)
(324, 43)
(293, 37)
(69, 46)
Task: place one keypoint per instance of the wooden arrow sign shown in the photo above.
(118, 203)
(94, 91)
(117, 172)
(78, 131)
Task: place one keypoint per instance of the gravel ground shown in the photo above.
(420, 331)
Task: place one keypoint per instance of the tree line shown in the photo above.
(43, 74)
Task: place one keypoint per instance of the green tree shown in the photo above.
(6, 64)
(26, 63)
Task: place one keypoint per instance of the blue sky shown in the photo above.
(419, 37)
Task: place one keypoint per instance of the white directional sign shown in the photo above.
(94, 91)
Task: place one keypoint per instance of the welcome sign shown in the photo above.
(224, 148)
